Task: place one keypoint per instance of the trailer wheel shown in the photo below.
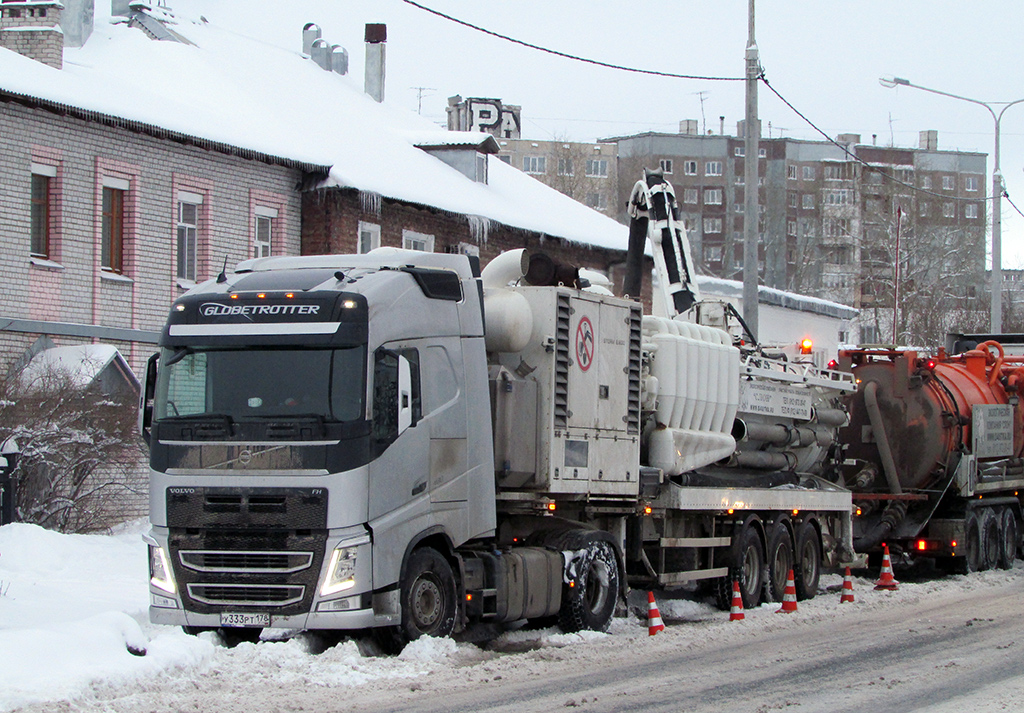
(429, 600)
(1009, 538)
(991, 542)
(808, 561)
(972, 544)
(780, 559)
(748, 565)
(589, 599)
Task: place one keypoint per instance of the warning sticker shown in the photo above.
(585, 344)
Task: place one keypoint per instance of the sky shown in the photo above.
(825, 57)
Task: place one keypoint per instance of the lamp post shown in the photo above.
(996, 320)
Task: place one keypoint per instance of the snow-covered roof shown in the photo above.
(771, 296)
(240, 91)
(80, 364)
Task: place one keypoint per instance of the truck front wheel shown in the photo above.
(429, 604)
(590, 596)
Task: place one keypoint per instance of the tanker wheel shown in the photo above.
(991, 541)
(972, 544)
(1008, 531)
(808, 561)
(590, 597)
(780, 559)
(748, 565)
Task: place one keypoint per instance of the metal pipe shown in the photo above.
(776, 460)
(878, 427)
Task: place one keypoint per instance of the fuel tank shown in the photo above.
(920, 410)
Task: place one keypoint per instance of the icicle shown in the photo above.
(369, 202)
(478, 228)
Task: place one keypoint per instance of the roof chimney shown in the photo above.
(376, 37)
(928, 140)
(31, 29)
(77, 21)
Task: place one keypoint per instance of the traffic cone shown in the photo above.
(887, 581)
(736, 613)
(654, 623)
(789, 596)
(847, 588)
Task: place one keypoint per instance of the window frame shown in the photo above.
(689, 168)
(194, 201)
(370, 229)
(113, 200)
(411, 235)
(535, 165)
(597, 168)
(713, 168)
(41, 207)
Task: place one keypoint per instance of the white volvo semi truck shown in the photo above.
(396, 441)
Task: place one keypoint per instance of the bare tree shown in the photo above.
(77, 445)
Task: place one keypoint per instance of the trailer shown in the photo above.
(400, 441)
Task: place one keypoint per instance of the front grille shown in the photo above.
(267, 595)
(241, 561)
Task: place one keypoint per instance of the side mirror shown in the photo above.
(146, 399)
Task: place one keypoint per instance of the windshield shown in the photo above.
(262, 383)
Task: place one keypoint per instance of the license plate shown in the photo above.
(243, 619)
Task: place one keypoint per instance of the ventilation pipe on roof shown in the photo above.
(376, 37)
(339, 59)
(320, 53)
(77, 21)
(310, 34)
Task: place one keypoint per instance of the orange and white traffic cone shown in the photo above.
(789, 596)
(736, 613)
(654, 623)
(887, 581)
(847, 588)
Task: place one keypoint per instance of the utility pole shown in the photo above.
(752, 131)
(419, 96)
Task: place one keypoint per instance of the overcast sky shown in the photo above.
(824, 56)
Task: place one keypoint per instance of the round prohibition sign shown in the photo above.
(585, 343)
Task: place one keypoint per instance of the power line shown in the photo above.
(577, 58)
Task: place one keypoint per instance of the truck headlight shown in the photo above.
(160, 570)
(341, 570)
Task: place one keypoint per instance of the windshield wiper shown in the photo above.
(179, 355)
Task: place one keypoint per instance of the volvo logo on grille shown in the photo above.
(244, 456)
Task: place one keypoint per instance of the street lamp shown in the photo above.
(997, 193)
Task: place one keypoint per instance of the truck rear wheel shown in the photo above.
(1008, 531)
(589, 599)
(780, 559)
(991, 542)
(748, 565)
(807, 571)
(972, 544)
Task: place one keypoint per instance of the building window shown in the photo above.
(739, 151)
(970, 183)
(188, 236)
(112, 229)
(762, 153)
(264, 238)
(597, 201)
(41, 201)
(947, 183)
(947, 210)
(922, 208)
(836, 227)
(597, 167)
(690, 168)
(506, 158)
(481, 168)
(689, 195)
(535, 164)
(808, 173)
(369, 237)
(841, 197)
(712, 225)
(712, 196)
(971, 210)
(666, 165)
(926, 182)
(791, 172)
(807, 201)
(739, 208)
(417, 241)
(712, 253)
(792, 199)
(565, 167)
(713, 168)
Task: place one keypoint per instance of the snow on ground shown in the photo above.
(71, 607)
